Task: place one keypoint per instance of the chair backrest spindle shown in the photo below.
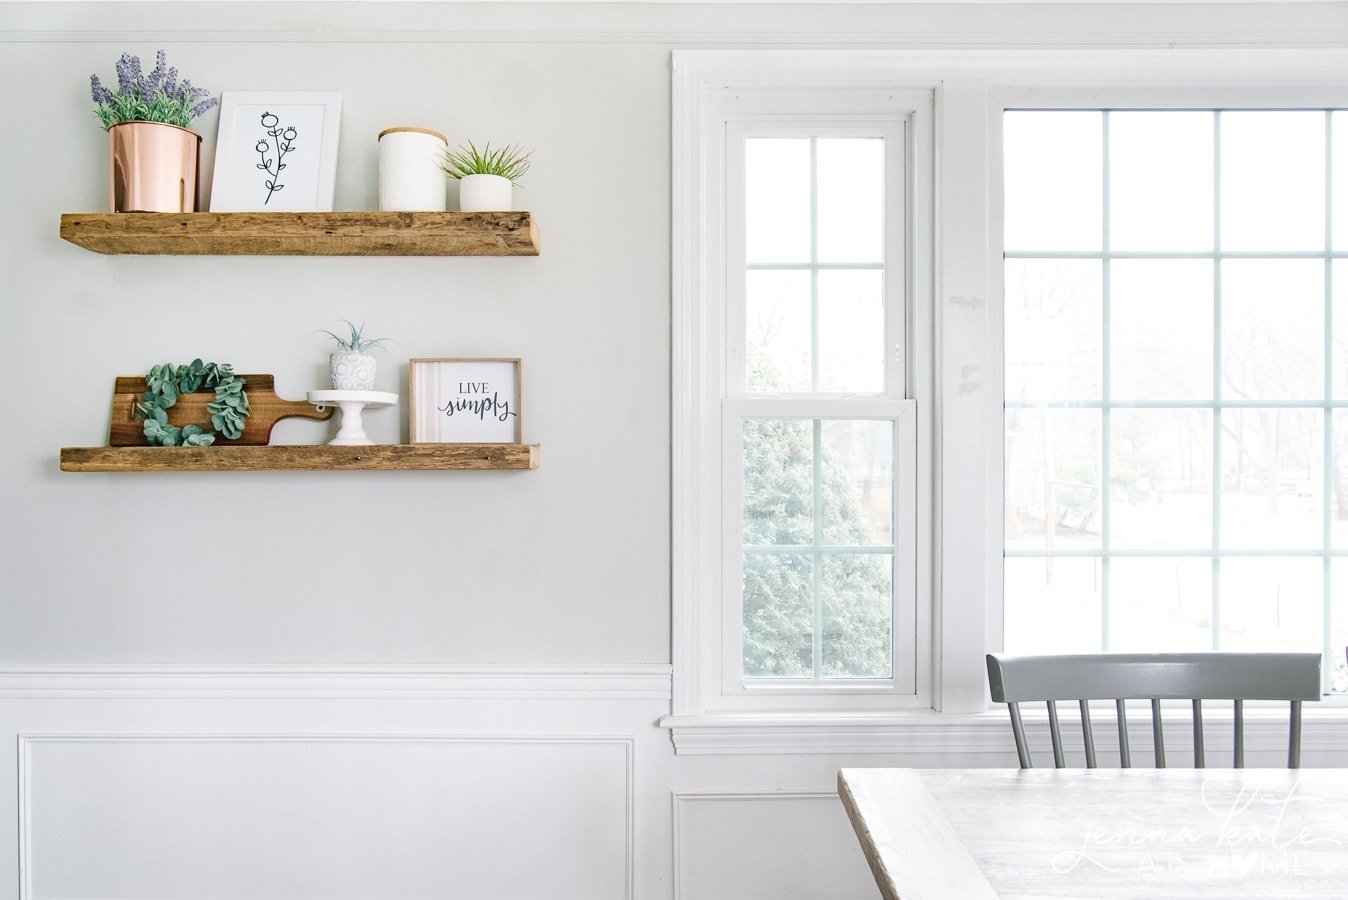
(1238, 753)
(1087, 739)
(1121, 711)
(1157, 735)
(1198, 734)
(1055, 734)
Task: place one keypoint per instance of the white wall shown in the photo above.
(220, 693)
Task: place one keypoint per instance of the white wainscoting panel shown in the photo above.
(325, 816)
(784, 845)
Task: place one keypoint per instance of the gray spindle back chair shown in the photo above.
(1238, 677)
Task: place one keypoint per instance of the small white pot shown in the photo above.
(352, 371)
(485, 193)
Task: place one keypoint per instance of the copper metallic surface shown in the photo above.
(154, 167)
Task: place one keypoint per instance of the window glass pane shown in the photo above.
(1273, 180)
(1160, 465)
(1339, 162)
(1053, 326)
(857, 596)
(778, 482)
(1054, 172)
(778, 615)
(1338, 624)
(851, 199)
(1160, 180)
(857, 473)
(1052, 605)
(777, 331)
(1339, 359)
(1052, 478)
(1273, 329)
(777, 200)
(1272, 604)
(1159, 605)
(1338, 481)
(852, 331)
(1272, 479)
(1160, 321)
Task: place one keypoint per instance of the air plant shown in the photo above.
(509, 162)
(357, 342)
(156, 97)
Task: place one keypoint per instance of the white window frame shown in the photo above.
(713, 403)
(954, 344)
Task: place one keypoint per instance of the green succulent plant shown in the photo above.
(509, 162)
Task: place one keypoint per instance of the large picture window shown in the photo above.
(1176, 381)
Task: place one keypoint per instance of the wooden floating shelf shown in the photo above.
(305, 234)
(321, 456)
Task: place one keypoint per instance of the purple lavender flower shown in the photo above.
(100, 93)
(156, 77)
(126, 81)
(158, 96)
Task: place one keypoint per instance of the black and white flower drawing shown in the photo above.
(284, 141)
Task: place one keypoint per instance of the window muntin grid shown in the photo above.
(1091, 400)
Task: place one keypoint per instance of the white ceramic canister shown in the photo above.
(410, 177)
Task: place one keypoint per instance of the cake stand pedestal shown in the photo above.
(352, 404)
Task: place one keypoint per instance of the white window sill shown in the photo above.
(984, 738)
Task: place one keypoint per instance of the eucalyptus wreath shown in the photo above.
(166, 382)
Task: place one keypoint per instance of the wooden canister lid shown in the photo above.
(434, 134)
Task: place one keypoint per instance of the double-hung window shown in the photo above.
(796, 451)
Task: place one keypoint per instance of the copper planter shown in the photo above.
(154, 167)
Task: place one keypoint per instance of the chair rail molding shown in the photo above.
(133, 681)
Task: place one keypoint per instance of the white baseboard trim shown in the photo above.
(609, 682)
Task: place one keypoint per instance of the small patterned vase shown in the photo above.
(352, 371)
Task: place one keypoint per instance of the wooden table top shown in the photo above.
(966, 834)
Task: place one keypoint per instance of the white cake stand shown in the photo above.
(352, 404)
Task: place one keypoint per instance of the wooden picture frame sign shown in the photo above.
(465, 401)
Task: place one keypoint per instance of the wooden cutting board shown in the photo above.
(266, 409)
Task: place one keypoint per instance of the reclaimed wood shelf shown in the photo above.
(291, 457)
(305, 234)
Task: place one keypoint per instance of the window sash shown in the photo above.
(895, 131)
(904, 636)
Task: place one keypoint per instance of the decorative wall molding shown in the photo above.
(680, 798)
(981, 740)
(630, 682)
(27, 742)
(867, 23)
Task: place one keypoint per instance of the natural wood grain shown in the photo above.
(265, 410)
(1104, 833)
(323, 456)
(912, 850)
(306, 234)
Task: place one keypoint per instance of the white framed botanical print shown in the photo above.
(465, 401)
(276, 152)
